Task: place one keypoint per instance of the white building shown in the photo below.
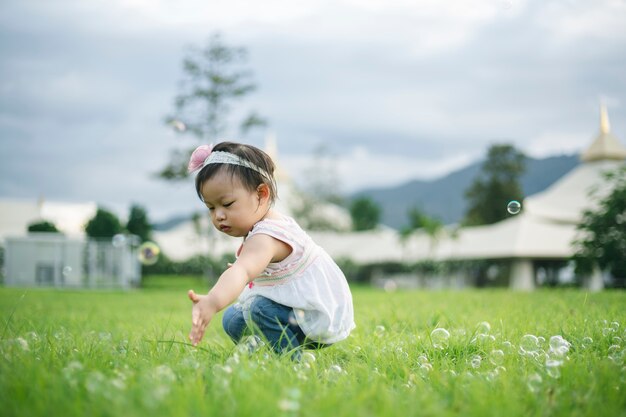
(546, 227)
(66, 259)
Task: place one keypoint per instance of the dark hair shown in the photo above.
(250, 178)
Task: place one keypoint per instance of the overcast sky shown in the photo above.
(396, 90)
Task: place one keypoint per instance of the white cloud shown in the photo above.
(570, 21)
(360, 168)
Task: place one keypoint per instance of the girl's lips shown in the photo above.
(224, 228)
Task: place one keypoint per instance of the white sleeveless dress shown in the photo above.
(308, 280)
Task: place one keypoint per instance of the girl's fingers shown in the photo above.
(193, 296)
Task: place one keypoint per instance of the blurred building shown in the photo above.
(537, 244)
(65, 259)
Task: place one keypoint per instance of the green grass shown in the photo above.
(106, 353)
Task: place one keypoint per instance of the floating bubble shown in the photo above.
(553, 371)
(164, 373)
(223, 372)
(308, 358)
(529, 344)
(507, 346)
(616, 354)
(178, 126)
(483, 327)
(496, 357)
(249, 345)
(475, 361)
(22, 343)
(440, 338)
(288, 405)
(148, 253)
(95, 382)
(558, 345)
(233, 361)
(67, 270)
(514, 207)
(422, 359)
(390, 285)
(118, 240)
(71, 373)
(534, 382)
(608, 331)
(335, 369)
(586, 342)
(379, 330)
(552, 362)
(425, 369)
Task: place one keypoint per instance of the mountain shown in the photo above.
(444, 198)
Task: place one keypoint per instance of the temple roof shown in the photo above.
(605, 146)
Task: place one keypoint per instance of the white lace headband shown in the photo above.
(204, 155)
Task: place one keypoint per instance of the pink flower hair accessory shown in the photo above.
(198, 157)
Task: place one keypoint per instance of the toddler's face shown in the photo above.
(234, 209)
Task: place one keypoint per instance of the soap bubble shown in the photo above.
(534, 382)
(379, 330)
(178, 126)
(118, 240)
(425, 369)
(529, 344)
(496, 357)
(291, 401)
(616, 354)
(149, 253)
(308, 358)
(475, 361)
(513, 207)
(483, 327)
(558, 345)
(586, 342)
(440, 338)
(67, 270)
(553, 371)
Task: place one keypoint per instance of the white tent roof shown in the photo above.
(523, 236)
(566, 199)
(546, 227)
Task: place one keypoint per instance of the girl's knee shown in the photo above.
(233, 322)
(259, 308)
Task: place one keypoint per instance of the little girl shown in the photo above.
(288, 288)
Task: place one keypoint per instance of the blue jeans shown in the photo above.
(276, 322)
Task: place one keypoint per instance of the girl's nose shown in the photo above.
(220, 215)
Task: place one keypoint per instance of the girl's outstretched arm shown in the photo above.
(255, 255)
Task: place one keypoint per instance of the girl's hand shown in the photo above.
(201, 315)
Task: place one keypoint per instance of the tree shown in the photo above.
(320, 190)
(103, 225)
(42, 226)
(420, 220)
(603, 231)
(214, 77)
(138, 223)
(496, 185)
(365, 213)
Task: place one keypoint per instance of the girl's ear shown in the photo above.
(263, 191)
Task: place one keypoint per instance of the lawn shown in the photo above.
(413, 353)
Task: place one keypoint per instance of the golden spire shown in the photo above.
(605, 125)
(605, 146)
